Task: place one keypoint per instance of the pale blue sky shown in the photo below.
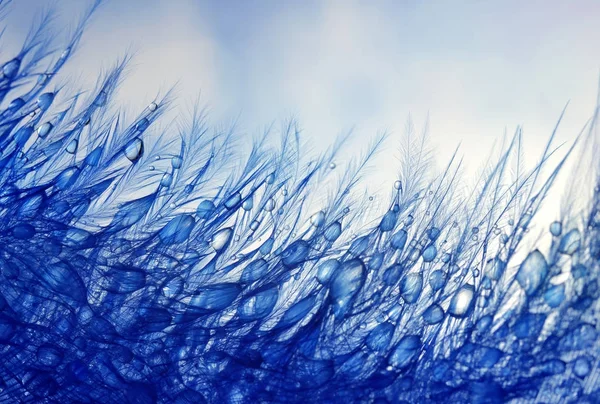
(477, 67)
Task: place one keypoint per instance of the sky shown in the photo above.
(475, 68)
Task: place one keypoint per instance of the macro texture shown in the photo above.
(140, 264)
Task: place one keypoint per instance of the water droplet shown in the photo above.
(10, 69)
(44, 129)
(532, 272)
(318, 219)
(333, 231)
(345, 284)
(582, 367)
(134, 150)
(461, 302)
(570, 242)
(176, 162)
(248, 204)
(254, 225)
(398, 185)
(555, 295)
(45, 100)
(270, 205)
(410, 287)
(16, 103)
(233, 200)
(142, 125)
(221, 239)
(166, 180)
(72, 146)
(437, 279)
(152, 106)
(332, 165)
(434, 314)
(429, 253)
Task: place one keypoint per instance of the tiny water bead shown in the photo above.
(152, 107)
(398, 185)
(332, 165)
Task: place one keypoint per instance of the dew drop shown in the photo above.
(134, 150)
(72, 146)
(270, 205)
(318, 219)
(44, 129)
(221, 239)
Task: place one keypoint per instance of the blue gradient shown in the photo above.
(149, 255)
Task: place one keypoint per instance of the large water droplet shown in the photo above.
(345, 284)
(295, 254)
(429, 253)
(72, 146)
(177, 230)
(318, 219)
(388, 222)
(532, 272)
(405, 352)
(326, 270)
(248, 204)
(570, 242)
(434, 314)
(254, 271)
(142, 124)
(221, 239)
(410, 287)
(176, 162)
(205, 209)
(44, 129)
(461, 302)
(399, 239)
(555, 295)
(215, 297)
(233, 201)
(166, 180)
(134, 149)
(437, 279)
(333, 231)
(10, 69)
(494, 268)
(45, 100)
(380, 337)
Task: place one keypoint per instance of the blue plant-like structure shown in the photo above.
(138, 265)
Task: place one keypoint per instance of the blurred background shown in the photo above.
(477, 69)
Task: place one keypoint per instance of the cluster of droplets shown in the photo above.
(131, 273)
